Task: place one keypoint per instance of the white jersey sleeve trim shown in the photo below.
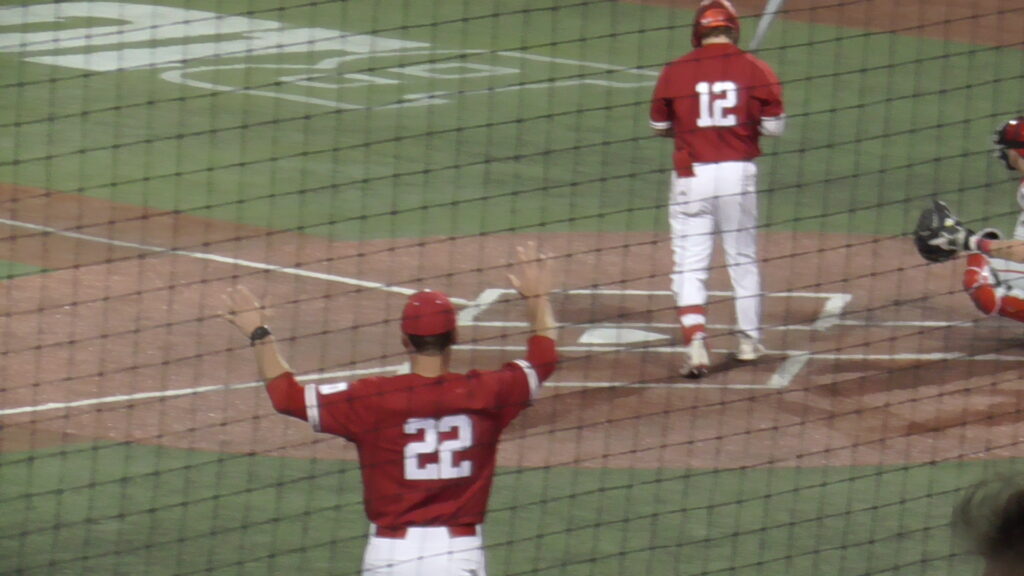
(312, 407)
(661, 125)
(326, 389)
(531, 376)
(773, 126)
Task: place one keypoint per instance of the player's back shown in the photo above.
(718, 94)
(427, 446)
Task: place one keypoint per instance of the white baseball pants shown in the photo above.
(425, 551)
(1018, 230)
(721, 198)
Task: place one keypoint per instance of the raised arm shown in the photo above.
(250, 317)
(533, 282)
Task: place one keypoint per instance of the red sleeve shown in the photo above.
(287, 396)
(768, 90)
(332, 407)
(509, 390)
(529, 374)
(542, 355)
(661, 106)
(325, 406)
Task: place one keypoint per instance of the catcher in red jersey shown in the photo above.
(716, 102)
(427, 440)
(994, 278)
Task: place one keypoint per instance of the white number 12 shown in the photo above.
(444, 468)
(715, 100)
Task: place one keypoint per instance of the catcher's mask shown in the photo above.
(714, 14)
(1009, 135)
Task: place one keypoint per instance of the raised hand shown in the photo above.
(244, 310)
(534, 267)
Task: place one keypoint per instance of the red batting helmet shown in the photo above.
(714, 14)
(1010, 135)
(428, 313)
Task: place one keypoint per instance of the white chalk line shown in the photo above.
(214, 258)
(779, 380)
(790, 353)
(832, 310)
(830, 315)
(397, 368)
(783, 376)
(223, 259)
(675, 325)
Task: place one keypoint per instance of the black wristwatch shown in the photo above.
(258, 333)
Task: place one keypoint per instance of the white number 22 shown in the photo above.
(444, 468)
(715, 101)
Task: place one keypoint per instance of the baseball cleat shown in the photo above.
(697, 360)
(750, 349)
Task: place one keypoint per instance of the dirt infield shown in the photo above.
(875, 357)
(987, 22)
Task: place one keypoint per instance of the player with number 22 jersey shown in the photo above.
(428, 439)
(427, 445)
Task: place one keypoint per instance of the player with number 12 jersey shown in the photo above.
(714, 99)
(715, 103)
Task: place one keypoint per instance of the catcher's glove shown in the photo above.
(1009, 135)
(939, 235)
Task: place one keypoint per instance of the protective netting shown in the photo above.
(335, 157)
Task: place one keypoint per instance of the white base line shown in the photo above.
(693, 385)
(787, 371)
(674, 325)
(778, 381)
(832, 311)
(795, 362)
(790, 353)
(835, 302)
(604, 291)
(198, 390)
(223, 259)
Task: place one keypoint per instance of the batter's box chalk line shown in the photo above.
(830, 315)
(610, 337)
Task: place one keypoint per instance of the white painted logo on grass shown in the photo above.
(241, 55)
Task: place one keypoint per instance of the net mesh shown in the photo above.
(335, 157)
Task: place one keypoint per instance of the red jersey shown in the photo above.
(714, 99)
(427, 446)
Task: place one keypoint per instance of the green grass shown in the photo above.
(9, 270)
(878, 123)
(127, 509)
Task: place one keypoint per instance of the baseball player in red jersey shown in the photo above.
(427, 440)
(716, 102)
(994, 278)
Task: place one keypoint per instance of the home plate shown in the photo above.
(618, 336)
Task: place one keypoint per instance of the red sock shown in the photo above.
(694, 331)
